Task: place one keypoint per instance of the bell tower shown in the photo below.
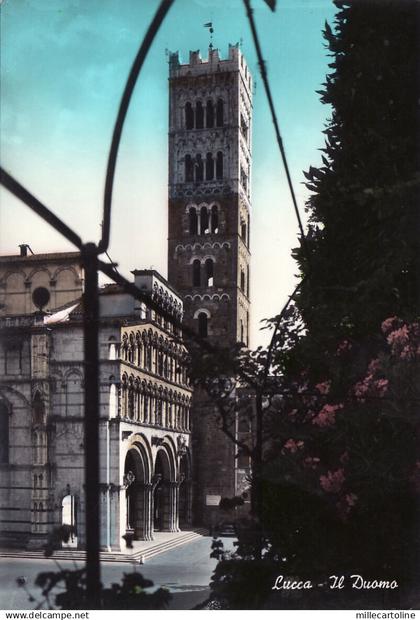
(210, 115)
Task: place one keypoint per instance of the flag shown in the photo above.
(271, 4)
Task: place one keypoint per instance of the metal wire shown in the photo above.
(29, 199)
(164, 7)
(264, 77)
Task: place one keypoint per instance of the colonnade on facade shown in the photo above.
(156, 494)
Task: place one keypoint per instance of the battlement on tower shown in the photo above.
(198, 66)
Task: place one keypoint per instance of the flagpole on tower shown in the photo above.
(209, 25)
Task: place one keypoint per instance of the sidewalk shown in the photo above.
(140, 553)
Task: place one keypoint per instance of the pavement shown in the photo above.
(185, 570)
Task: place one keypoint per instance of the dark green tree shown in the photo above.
(338, 482)
(363, 237)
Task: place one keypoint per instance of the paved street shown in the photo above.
(185, 571)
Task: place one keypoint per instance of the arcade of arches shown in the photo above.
(158, 487)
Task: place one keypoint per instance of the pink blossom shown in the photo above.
(388, 324)
(324, 387)
(292, 445)
(326, 417)
(374, 365)
(346, 504)
(362, 387)
(398, 337)
(381, 386)
(311, 461)
(351, 499)
(333, 481)
(407, 352)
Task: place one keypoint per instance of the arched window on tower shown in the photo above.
(243, 230)
(193, 221)
(4, 433)
(196, 272)
(209, 167)
(199, 168)
(242, 281)
(202, 324)
(199, 115)
(209, 267)
(219, 113)
(214, 219)
(219, 165)
(189, 116)
(189, 168)
(209, 114)
(204, 221)
(241, 339)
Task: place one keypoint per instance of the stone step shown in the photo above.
(78, 555)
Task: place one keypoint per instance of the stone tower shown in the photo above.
(210, 113)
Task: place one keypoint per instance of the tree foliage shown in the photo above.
(337, 391)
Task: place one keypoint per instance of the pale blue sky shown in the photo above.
(63, 68)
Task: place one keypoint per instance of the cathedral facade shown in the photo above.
(145, 400)
(210, 122)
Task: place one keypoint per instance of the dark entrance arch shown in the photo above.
(162, 505)
(136, 475)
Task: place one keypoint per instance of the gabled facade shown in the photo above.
(145, 422)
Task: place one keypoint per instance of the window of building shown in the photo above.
(219, 113)
(146, 407)
(160, 363)
(199, 115)
(4, 433)
(241, 338)
(158, 411)
(113, 400)
(13, 359)
(209, 167)
(219, 165)
(112, 348)
(214, 219)
(196, 273)
(242, 281)
(204, 221)
(189, 116)
(199, 169)
(38, 409)
(209, 114)
(193, 221)
(189, 169)
(247, 280)
(148, 357)
(244, 128)
(202, 324)
(209, 268)
(244, 180)
(243, 230)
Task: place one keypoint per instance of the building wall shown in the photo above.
(60, 274)
(42, 471)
